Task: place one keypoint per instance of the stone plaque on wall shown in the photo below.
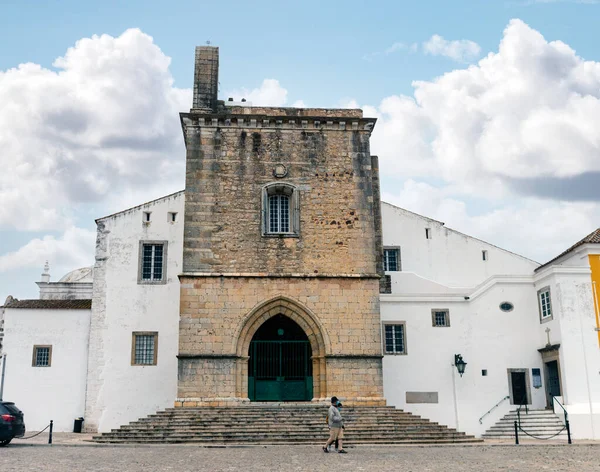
(421, 397)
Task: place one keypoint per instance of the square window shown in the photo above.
(394, 338)
(146, 217)
(144, 348)
(42, 356)
(440, 318)
(391, 259)
(152, 263)
(545, 304)
(484, 372)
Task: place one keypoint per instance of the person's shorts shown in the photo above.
(336, 433)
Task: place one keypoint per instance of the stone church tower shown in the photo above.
(282, 253)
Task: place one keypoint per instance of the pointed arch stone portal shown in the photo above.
(303, 317)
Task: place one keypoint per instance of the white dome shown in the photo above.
(82, 276)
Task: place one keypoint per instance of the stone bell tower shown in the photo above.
(282, 238)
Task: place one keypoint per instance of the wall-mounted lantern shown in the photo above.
(460, 364)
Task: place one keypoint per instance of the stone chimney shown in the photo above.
(206, 78)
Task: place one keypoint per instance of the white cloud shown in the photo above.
(105, 121)
(395, 47)
(462, 50)
(270, 93)
(523, 119)
(75, 248)
(299, 104)
(511, 144)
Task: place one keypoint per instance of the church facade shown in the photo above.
(279, 275)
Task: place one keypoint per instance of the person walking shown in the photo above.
(336, 425)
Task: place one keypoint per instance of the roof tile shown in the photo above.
(50, 304)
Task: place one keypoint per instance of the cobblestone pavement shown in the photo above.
(575, 458)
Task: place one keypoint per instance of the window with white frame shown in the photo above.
(42, 356)
(144, 348)
(391, 259)
(394, 336)
(152, 265)
(280, 210)
(440, 318)
(545, 304)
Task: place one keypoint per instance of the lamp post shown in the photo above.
(460, 364)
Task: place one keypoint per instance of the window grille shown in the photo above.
(279, 214)
(394, 339)
(441, 318)
(280, 210)
(152, 262)
(42, 356)
(391, 260)
(144, 346)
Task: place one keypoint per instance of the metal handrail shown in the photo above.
(567, 425)
(493, 408)
(518, 423)
(524, 399)
(559, 404)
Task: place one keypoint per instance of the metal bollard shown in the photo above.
(568, 431)
(50, 434)
(516, 433)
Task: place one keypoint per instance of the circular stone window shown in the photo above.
(506, 306)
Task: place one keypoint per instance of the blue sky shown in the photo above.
(325, 54)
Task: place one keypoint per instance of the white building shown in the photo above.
(526, 331)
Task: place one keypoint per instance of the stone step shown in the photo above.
(316, 442)
(511, 424)
(245, 435)
(540, 423)
(269, 424)
(305, 431)
(312, 421)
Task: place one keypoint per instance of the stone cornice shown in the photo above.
(281, 275)
(186, 355)
(549, 348)
(353, 356)
(261, 121)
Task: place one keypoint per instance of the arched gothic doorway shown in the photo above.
(280, 362)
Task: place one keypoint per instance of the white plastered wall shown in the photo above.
(573, 327)
(485, 336)
(47, 393)
(449, 257)
(117, 391)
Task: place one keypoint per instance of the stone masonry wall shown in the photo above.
(228, 163)
(213, 310)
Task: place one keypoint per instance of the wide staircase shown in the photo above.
(535, 424)
(281, 424)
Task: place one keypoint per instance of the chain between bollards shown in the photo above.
(50, 433)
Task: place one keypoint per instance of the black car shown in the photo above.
(11, 423)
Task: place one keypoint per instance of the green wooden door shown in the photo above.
(280, 371)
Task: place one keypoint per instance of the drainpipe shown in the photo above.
(455, 399)
(2, 381)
